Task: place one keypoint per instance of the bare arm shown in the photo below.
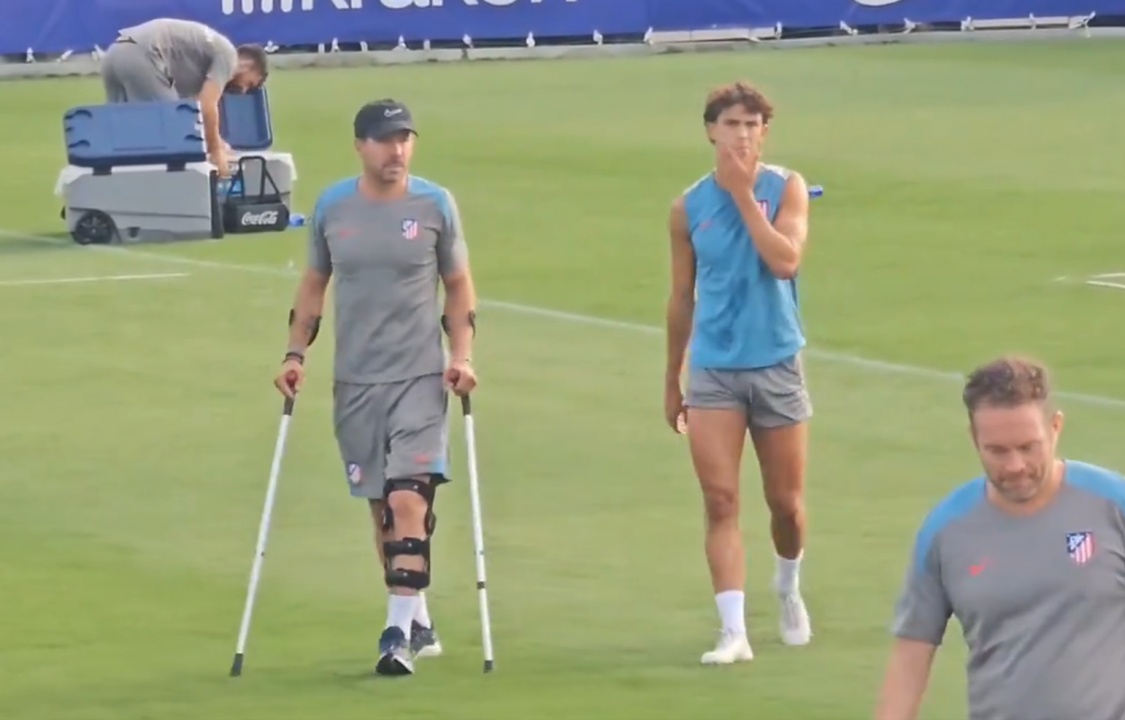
(681, 298)
(209, 107)
(907, 675)
(781, 244)
(459, 313)
(308, 307)
(921, 616)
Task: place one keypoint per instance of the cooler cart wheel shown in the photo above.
(94, 228)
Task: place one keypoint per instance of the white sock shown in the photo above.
(422, 613)
(732, 611)
(400, 611)
(789, 575)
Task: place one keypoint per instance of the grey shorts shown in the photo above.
(771, 397)
(390, 431)
(131, 73)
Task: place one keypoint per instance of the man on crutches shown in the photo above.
(387, 238)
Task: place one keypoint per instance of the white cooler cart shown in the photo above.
(138, 173)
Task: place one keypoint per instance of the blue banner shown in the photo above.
(55, 26)
(666, 15)
(50, 27)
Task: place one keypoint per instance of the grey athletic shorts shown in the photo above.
(391, 430)
(131, 73)
(771, 397)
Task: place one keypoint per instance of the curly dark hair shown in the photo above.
(1007, 382)
(739, 93)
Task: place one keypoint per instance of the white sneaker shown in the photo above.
(731, 648)
(794, 624)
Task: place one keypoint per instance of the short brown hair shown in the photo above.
(257, 55)
(1007, 382)
(739, 93)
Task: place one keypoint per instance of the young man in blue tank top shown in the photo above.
(738, 236)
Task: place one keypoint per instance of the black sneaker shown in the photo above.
(424, 641)
(394, 653)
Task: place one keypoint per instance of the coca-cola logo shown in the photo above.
(253, 219)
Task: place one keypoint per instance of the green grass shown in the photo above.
(961, 182)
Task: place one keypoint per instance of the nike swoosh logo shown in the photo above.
(391, 113)
(877, 3)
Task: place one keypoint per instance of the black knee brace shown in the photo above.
(413, 579)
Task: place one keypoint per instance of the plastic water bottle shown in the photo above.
(229, 186)
(816, 191)
(296, 220)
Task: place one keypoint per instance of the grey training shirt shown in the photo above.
(387, 258)
(189, 52)
(1041, 599)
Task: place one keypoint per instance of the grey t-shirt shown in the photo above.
(189, 52)
(386, 258)
(1041, 599)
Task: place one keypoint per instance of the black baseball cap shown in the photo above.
(381, 118)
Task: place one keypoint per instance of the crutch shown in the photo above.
(478, 531)
(263, 537)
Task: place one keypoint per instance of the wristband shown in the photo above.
(294, 355)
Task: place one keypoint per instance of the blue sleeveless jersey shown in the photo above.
(745, 317)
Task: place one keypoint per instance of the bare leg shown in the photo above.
(782, 458)
(377, 520)
(421, 612)
(409, 510)
(717, 438)
(407, 570)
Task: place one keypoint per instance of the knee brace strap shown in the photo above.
(426, 490)
(413, 579)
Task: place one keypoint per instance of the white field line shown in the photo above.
(870, 364)
(1106, 284)
(90, 279)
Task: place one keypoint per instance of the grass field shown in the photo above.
(962, 181)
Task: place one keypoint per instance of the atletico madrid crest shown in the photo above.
(1080, 546)
(410, 229)
(355, 474)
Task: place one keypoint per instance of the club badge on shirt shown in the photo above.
(1080, 546)
(410, 228)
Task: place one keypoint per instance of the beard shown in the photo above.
(1023, 486)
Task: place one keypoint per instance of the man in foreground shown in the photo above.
(170, 59)
(387, 237)
(738, 237)
(1030, 558)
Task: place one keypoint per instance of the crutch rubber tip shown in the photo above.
(488, 666)
(236, 666)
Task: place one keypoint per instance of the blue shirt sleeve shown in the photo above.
(923, 609)
(319, 257)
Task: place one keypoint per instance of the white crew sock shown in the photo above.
(732, 611)
(422, 613)
(789, 575)
(400, 612)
